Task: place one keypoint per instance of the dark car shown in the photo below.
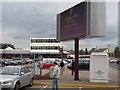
(7, 61)
(2, 62)
(84, 64)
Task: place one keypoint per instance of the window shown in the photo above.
(26, 70)
(32, 40)
(22, 70)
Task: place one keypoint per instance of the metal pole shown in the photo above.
(109, 50)
(34, 65)
(76, 59)
(21, 59)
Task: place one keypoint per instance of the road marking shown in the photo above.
(44, 87)
(71, 85)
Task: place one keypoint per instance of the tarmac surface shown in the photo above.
(67, 80)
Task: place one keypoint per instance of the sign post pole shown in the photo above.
(76, 59)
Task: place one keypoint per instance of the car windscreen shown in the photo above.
(84, 62)
(9, 71)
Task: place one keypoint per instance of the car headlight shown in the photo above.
(7, 82)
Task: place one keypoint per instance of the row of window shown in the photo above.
(45, 47)
(44, 41)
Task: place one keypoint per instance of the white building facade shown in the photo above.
(45, 45)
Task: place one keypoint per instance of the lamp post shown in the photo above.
(109, 50)
(61, 51)
(34, 64)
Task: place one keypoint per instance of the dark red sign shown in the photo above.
(72, 23)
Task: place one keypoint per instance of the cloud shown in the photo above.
(24, 20)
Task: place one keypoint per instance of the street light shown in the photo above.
(61, 51)
(109, 50)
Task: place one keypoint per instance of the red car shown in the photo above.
(48, 64)
(118, 61)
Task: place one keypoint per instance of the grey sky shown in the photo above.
(24, 20)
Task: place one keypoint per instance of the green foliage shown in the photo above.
(82, 52)
(5, 45)
(117, 52)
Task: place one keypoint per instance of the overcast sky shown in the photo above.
(24, 20)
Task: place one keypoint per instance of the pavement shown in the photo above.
(67, 80)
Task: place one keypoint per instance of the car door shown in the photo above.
(28, 74)
(23, 77)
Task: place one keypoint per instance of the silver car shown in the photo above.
(15, 77)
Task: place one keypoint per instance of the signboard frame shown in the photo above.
(94, 25)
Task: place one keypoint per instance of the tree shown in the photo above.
(116, 52)
(81, 52)
(5, 45)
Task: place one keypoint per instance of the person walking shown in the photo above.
(56, 75)
(40, 66)
(73, 66)
(62, 66)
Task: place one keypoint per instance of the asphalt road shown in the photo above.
(38, 87)
(115, 65)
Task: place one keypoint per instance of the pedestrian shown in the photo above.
(40, 66)
(61, 66)
(56, 74)
(72, 66)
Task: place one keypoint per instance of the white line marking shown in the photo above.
(44, 87)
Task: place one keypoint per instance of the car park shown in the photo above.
(15, 77)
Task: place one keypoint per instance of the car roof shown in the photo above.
(50, 61)
(15, 66)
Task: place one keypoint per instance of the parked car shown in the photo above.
(13, 62)
(28, 60)
(48, 64)
(18, 60)
(118, 61)
(59, 60)
(113, 60)
(9, 62)
(2, 62)
(83, 65)
(15, 77)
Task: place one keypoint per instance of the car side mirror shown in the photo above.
(22, 73)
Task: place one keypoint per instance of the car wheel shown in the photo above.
(31, 83)
(17, 86)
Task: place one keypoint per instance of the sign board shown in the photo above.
(99, 65)
(85, 20)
